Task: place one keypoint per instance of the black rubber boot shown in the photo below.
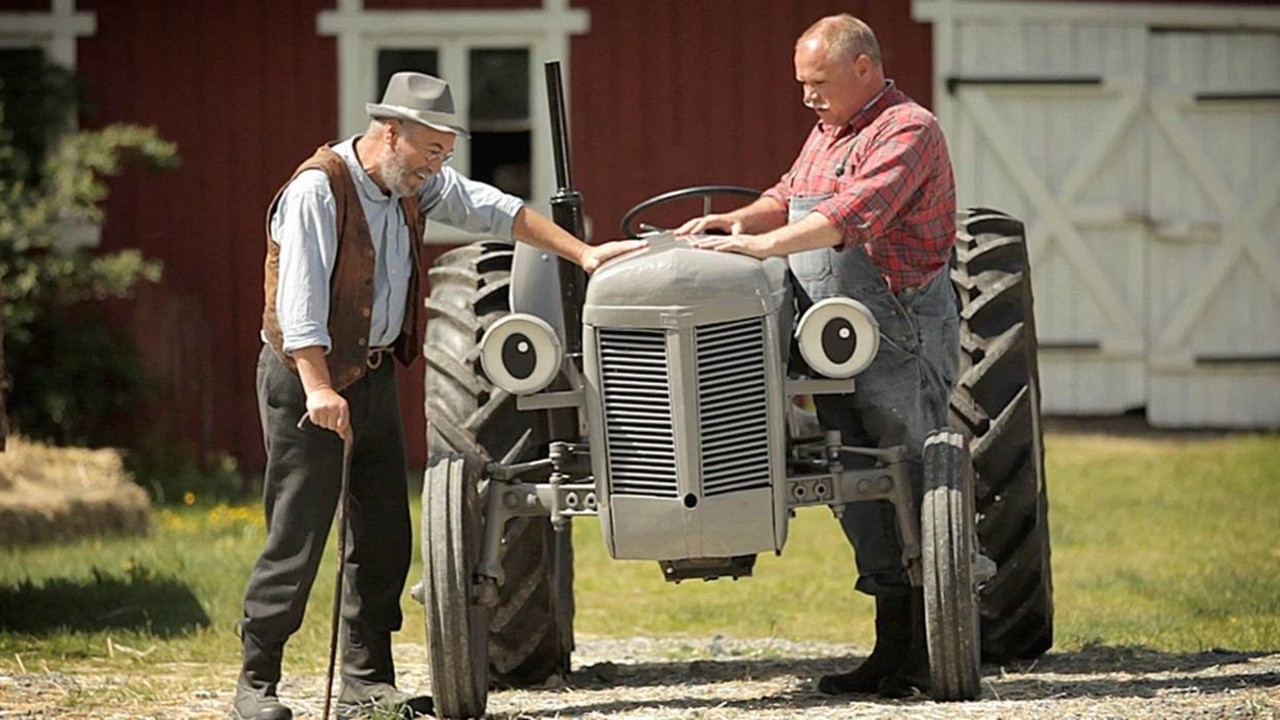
(912, 676)
(256, 688)
(369, 678)
(893, 636)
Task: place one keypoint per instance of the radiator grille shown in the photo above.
(639, 434)
(732, 406)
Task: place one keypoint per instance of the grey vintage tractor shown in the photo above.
(658, 398)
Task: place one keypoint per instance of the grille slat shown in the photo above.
(732, 417)
(733, 411)
(639, 431)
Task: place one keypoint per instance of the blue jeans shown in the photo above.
(899, 399)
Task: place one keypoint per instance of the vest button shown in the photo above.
(362, 342)
(366, 312)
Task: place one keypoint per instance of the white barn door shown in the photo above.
(1214, 206)
(1094, 125)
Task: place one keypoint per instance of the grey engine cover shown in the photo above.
(684, 351)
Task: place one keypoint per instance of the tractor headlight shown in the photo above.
(521, 354)
(838, 337)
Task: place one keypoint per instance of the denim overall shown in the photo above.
(899, 399)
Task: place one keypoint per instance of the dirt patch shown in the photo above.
(717, 679)
(49, 493)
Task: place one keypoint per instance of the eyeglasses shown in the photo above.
(442, 156)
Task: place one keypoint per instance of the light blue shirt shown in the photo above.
(305, 226)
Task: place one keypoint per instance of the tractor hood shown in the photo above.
(683, 285)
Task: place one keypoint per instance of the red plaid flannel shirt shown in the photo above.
(892, 188)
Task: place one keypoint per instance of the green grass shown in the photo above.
(1171, 544)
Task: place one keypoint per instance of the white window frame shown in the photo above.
(55, 31)
(544, 32)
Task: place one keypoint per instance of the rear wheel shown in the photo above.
(532, 625)
(949, 554)
(996, 403)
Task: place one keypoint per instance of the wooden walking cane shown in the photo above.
(344, 496)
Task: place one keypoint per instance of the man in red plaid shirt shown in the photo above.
(867, 211)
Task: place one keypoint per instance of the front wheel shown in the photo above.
(457, 622)
(949, 540)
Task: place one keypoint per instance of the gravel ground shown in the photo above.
(719, 679)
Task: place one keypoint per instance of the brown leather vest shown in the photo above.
(351, 284)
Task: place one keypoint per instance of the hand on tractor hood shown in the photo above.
(757, 246)
(595, 255)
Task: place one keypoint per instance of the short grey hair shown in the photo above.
(846, 37)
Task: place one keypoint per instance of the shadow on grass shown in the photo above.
(1093, 672)
(159, 605)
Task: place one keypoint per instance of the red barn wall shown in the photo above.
(665, 93)
(247, 91)
(677, 93)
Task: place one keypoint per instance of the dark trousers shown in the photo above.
(300, 496)
(898, 400)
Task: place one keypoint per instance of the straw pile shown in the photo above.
(49, 493)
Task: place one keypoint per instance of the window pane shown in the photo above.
(392, 61)
(37, 101)
(499, 86)
(499, 119)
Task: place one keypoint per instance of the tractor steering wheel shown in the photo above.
(706, 192)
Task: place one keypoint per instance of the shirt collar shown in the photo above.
(365, 185)
(888, 96)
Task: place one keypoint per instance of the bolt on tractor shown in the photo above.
(658, 397)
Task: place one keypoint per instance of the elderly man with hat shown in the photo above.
(343, 291)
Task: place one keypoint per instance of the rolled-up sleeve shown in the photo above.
(468, 204)
(305, 226)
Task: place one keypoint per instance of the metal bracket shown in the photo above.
(550, 400)
(565, 495)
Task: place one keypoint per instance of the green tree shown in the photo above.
(50, 179)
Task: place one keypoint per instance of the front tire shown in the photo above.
(948, 540)
(457, 622)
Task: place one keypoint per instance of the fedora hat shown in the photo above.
(418, 98)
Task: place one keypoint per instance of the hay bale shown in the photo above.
(51, 493)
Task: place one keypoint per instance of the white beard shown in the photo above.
(398, 176)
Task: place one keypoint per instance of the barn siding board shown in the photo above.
(704, 93)
(246, 91)
(663, 94)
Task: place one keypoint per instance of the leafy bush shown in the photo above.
(72, 376)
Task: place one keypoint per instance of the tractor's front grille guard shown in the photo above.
(732, 409)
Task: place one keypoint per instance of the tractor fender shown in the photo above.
(535, 287)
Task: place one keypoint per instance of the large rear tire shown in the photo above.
(996, 402)
(532, 625)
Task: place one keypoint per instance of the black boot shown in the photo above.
(256, 688)
(912, 676)
(369, 677)
(893, 635)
